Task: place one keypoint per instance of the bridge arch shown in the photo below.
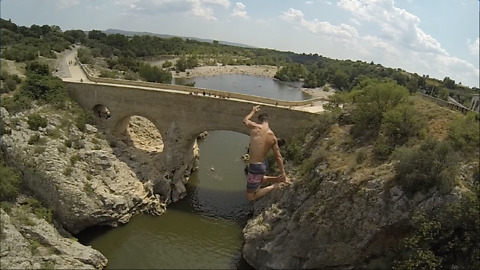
(101, 111)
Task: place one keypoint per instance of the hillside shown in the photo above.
(352, 205)
(134, 33)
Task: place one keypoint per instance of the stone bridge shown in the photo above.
(180, 114)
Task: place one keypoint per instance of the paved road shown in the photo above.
(68, 69)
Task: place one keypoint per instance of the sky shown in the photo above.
(439, 38)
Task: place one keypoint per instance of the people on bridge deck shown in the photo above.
(262, 140)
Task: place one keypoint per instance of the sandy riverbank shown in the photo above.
(203, 71)
(319, 92)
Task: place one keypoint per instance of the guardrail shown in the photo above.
(447, 104)
(200, 91)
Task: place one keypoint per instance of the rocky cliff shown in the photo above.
(32, 243)
(338, 214)
(83, 177)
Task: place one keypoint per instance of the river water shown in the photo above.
(204, 230)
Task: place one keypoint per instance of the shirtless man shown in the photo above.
(262, 139)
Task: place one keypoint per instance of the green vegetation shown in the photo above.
(10, 182)
(432, 164)
(9, 82)
(445, 239)
(36, 121)
(372, 100)
(463, 133)
(154, 74)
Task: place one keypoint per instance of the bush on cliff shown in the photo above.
(463, 133)
(42, 86)
(9, 183)
(372, 100)
(445, 239)
(36, 121)
(433, 163)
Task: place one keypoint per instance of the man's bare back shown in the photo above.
(262, 140)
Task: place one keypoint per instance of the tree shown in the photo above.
(40, 85)
(181, 64)
(97, 34)
(310, 81)
(372, 101)
(401, 123)
(449, 83)
(154, 74)
(340, 79)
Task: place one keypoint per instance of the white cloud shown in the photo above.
(199, 8)
(296, 18)
(395, 39)
(473, 47)
(67, 3)
(309, 2)
(239, 11)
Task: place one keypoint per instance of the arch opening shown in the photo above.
(143, 135)
(101, 111)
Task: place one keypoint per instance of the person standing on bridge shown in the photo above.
(262, 139)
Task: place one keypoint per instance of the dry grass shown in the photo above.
(436, 117)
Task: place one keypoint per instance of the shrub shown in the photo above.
(9, 183)
(433, 163)
(382, 149)
(401, 123)
(361, 156)
(40, 85)
(83, 118)
(34, 139)
(463, 133)
(17, 103)
(372, 101)
(445, 239)
(36, 121)
(10, 85)
(40, 210)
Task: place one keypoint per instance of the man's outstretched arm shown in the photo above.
(246, 121)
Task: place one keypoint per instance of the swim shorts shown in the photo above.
(255, 175)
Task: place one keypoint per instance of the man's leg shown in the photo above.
(261, 192)
(270, 179)
(275, 179)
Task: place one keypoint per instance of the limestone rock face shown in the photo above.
(83, 177)
(36, 244)
(339, 226)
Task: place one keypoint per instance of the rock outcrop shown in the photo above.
(82, 176)
(342, 225)
(28, 242)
